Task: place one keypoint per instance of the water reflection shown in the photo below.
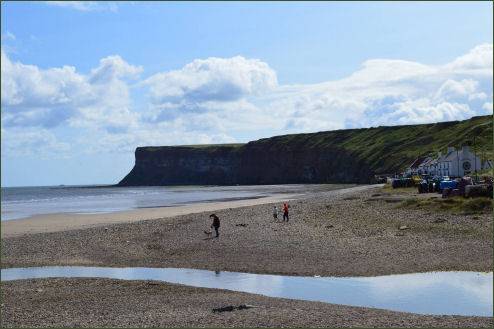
(461, 293)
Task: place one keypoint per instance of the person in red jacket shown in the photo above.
(285, 211)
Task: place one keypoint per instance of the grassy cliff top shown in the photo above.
(391, 148)
(386, 149)
(196, 146)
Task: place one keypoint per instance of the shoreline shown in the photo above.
(55, 222)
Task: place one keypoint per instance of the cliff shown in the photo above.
(340, 156)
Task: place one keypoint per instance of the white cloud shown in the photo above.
(170, 133)
(85, 5)
(212, 79)
(8, 36)
(218, 100)
(112, 68)
(32, 142)
(56, 96)
(477, 61)
(452, 88)
(487, 107)
(390, 92)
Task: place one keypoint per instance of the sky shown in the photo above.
(85, 83)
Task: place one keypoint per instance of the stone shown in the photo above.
(404, 227)
(231, 308)
(400, 234)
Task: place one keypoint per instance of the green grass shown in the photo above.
(399, 190)
(381, 150)
(391, 149)
(456, 205)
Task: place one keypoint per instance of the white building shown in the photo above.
(428, 166)
(458, 163)
(414, 167)
(455, 163)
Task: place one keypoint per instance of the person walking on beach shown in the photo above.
(275, 213)
(285, 211)
(216, 223)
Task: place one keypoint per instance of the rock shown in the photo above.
(242, 224)
(223, 309)
(404, 227)
(106, 228)
(231, 308)
(39, 290)
(400, 234)
(329, 226)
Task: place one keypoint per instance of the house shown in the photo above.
(458, 163)
(423, 167)
(454, 163)
(413, 168)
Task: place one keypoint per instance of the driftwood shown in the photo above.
(231, 308)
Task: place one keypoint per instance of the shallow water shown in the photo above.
(438, 293)
(21, 202)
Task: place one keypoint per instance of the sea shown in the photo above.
(23, 202)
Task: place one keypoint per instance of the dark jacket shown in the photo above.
(216, 221)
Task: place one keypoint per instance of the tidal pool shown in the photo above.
(438, 293)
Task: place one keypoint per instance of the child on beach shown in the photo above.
(285, 211)
(275, 213)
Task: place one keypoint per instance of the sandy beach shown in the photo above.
(351, 232)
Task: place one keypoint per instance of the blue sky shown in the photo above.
(83, 84)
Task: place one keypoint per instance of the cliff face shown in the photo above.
(342, 156)
(274, 162)
(253, 163)
(183, 166)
